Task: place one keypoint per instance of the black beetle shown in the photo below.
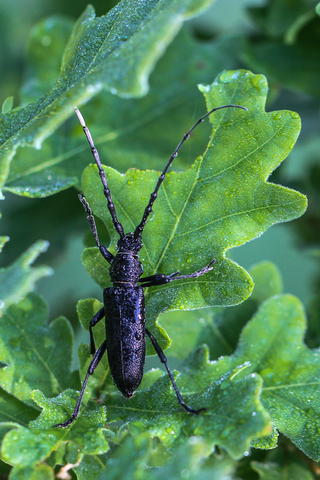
(124, 309)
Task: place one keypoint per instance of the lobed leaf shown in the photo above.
(19, 278)
(222, 327)
(26, 448)
(89, 434)
(15, 411)
(36, 355)
(131, 457)
(222, 201)
(273, 344)
(233, 417)
(116, 53)
(127, 131)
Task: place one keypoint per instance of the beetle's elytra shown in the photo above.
(124, 309)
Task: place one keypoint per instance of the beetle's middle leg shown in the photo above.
(161, 278)
(93, 365)
(163, 359)
(95, 319)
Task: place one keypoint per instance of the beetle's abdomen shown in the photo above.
(125, 336)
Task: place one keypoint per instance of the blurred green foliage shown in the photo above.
(255, 374)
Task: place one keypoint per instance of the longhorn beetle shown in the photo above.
(124, 309)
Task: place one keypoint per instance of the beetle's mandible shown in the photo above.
(124, 309)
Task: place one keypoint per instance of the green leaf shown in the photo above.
(131, 457)
(89, 433)
(233, 416)
(37, 355)
(115, 52)
(130, 460)
(273, 344)
(293, 60)
(227, 185)
(47, 41)
(26, 448)
(190, 462)
(273, 471)
(14, 410)
(268, 442)
(19, 278)
(267, 281)
(37, 472)
(129, 132)
(23, 447)
(222, 327)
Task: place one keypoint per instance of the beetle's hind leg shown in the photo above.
(163, 359)
(93, 365)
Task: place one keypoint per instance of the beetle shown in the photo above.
(124, 308)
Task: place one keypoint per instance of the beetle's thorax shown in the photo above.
(126, 266)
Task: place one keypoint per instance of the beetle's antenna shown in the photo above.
(106, 191)
(138, 231)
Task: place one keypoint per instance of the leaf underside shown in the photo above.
(114, 53)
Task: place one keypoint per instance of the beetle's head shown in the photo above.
(128, 243)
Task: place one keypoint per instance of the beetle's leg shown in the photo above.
(93, 365)
(97, 317)
(163, 359)
(104, 252)
(161, 278)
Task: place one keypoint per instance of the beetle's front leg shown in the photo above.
(161, 279)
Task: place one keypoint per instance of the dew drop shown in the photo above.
(204, 88)
(258, 82)
(229, 76)
(277, 115)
